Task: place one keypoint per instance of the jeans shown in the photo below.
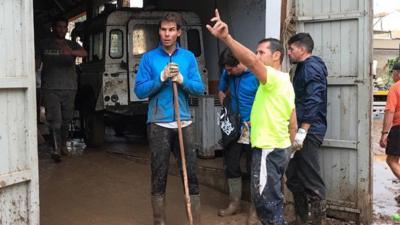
(304, 173)
(268, 199)
(162, 141)
(232, 155)
(59, 106)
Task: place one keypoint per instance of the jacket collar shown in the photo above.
(160, 48)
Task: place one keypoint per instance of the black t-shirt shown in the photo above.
(58, 70)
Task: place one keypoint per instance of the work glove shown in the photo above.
(178, 78)
(244, 134)
(299, 139)
(169, 71)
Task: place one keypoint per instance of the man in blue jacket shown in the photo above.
(242, 86)
(304, 178)
(158, 69)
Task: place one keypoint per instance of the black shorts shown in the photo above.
(393, 142)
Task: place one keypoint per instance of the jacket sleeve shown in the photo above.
(193, 84)
(315, 86)
(223, 81)
(146, 84)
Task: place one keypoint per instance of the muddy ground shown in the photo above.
(103, 188)
(385, 185)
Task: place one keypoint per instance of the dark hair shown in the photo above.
(227, 58)
(275, 46)
(172, 17)
(303, 39)
(59, 19)
(396, 66)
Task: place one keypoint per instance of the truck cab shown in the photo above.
(116, 41)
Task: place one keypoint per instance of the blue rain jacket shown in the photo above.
(310, 86)
(148, 84)
(243, 89)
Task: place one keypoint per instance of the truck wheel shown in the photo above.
(94, 128)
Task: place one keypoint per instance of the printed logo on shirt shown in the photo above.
(52, 52)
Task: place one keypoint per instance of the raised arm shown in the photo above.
(244, 55)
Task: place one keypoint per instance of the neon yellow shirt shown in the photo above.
(272, 108)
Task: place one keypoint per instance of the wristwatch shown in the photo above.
(384, 132)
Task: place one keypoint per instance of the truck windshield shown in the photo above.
(144, 38)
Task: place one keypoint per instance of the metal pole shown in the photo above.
(182, 151)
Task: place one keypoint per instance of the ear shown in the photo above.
(179, 32)
(303, 49)
(276, 56)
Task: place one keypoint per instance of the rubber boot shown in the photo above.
(158, 204)
(318, 212)
(301, 208)
(235, 196)
(196, 209)
(63, 143)
(252, 218)
(55, 154)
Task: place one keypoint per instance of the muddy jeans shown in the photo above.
(304, 173)
(270, 169)
(59, 107)
(162, 141)
(232, 156)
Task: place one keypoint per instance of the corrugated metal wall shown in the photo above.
(19, 197)
(342, 36)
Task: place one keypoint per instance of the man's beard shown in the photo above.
(293, 61)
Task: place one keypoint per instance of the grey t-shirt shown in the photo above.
(58, 70)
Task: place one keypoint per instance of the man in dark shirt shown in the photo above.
(304, 178)
(59, 83)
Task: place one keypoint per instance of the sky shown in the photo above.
(390, 22)
(386, 5)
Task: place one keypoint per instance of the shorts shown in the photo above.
(393, 141)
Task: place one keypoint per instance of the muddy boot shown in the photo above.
(63, 144)
(196, 209)
(318, 212)
(235, 196)
(64, 151)
(252, 218)
(158, 204)
(301, 208)
(55, 154)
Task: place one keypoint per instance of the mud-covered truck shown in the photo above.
(116, 41)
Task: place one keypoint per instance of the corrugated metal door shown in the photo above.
(342, 36)
(19, 197)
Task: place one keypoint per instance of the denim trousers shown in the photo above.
(267, 168)
(162, 142)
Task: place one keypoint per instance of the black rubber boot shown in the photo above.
(301, 208)
(63, 143)
(317, 212)
(158, 204)
(55, 154)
